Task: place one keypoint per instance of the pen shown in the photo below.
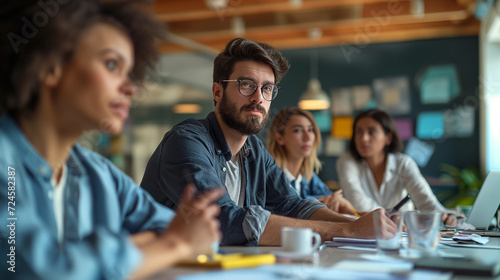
(355, 213)
(399, 205)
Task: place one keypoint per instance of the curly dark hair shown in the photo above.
(35, 35)
(388, 125)
(241, 49)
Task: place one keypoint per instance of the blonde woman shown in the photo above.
(293, 141)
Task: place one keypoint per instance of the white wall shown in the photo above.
(489, 81)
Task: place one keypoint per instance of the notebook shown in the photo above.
(486, 204)
(460, 266)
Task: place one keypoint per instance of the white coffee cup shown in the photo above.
(299, 240)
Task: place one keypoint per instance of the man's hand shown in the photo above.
(364, 227)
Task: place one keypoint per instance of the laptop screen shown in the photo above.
(487, 202)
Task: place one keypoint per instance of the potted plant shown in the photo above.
(468, 180)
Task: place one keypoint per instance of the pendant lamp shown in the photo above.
(314, 98)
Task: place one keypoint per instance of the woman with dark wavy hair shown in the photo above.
(374, 174)
(69, 67)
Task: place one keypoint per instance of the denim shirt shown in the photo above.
(314, 188)
(102, 207)
(199, 147)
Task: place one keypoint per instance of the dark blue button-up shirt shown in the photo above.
(199, 147)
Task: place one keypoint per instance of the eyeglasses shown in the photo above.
(248, 87)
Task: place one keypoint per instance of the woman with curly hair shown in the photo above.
(70, 67)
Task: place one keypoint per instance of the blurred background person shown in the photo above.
(374, 174)
(293, 141)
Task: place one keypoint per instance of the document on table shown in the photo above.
(355, 240)
(479, 246)
(393, 266)
(279, 272)
(393, 269)
(352, 242)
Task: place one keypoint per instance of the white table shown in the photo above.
(331, 255)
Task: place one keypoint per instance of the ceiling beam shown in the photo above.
(166, 14)
(301, 40)
(279, 22)
(364, 23)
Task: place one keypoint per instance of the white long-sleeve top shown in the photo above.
(401, 176)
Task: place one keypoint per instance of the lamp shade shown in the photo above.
(314, 98)
(187, 109)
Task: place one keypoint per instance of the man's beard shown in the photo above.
(231, 116)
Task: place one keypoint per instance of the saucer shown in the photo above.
(292, 257)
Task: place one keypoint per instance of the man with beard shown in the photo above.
(222, 150)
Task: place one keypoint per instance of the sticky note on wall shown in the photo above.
(459, 122)
(341, 101)
(342, 127)
(393, 94)
(435, 90)
(324, 120)
(419, 151)
(430, 125)
(391, 97)
(439, 84)
(362, 96)
(404, 127)
(335, 147)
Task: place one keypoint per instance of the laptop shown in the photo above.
(485, 206)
